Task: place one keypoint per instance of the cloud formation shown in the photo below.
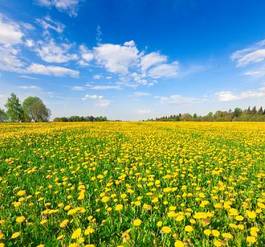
(99, 100)
(117, 58)
(102, 86)
(10, 60)
(51, 52)
(227, 96)
(132, 65)
(124, 62)
(10, 32)
(176, 99)
(48, 24)
(68, 6)
(51, 70)
(251, 55)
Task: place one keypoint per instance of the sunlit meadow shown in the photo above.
(132, 184)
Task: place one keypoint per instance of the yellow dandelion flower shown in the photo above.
(137, 222)
(126, 236)
(217, 243)
(239, 218)
(20, 219)
(254, 231)
(64, 223)
(73, 245)
(215, 233)
(179, 243)
(89, 230)
(15, 235)
(43, 222)
(118, 207)
(240, 227)
(251, 239)
(251, 214)
(159, 224)
(60, 237)
(165, 229)
(81, 195)
(188, 228)
(207, 232)
(227, 235)
(76, 234)
(21, 193)
(105, 199)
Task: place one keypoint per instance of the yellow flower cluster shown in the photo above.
(132, 184)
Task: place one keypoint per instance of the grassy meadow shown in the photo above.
(132, 184)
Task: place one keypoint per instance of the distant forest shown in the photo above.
(80, 119)
(253, 114)
(33, 109)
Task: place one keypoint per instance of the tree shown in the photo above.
(237, 112)
(254, 110)
(248, 110)
(3, 115)
(35, 110)
(260, 111)
(14, 108)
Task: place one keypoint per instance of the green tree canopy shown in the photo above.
(3, 115)
(14, 108)
(35, 110)
(237, 112)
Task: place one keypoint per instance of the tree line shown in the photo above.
(80, 119)
(250, 114)
(32, 109)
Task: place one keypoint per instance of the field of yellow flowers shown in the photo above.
(132, 184)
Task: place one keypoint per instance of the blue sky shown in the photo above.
(133, 59)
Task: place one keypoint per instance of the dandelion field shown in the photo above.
(132, 184)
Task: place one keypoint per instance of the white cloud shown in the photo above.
(99, 100)
(93, 96)
(103, 86)
(134, 67)
(10, 32)
(103, 103)
(10, 60)
(258, 72)
(117, 58)
(140, 94)
(251, 55)
(51, 70)
(97, 77)
(26, 87)
(27, 77)
(226, 96)
(176, 99)
(29, 43)
(54, 53)
(27, 26)
(69, 6)
(143, 111)
(152, 59)
(48, 24)
(164, 70)
(86, 55)
(78, 88)
(230, 96)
